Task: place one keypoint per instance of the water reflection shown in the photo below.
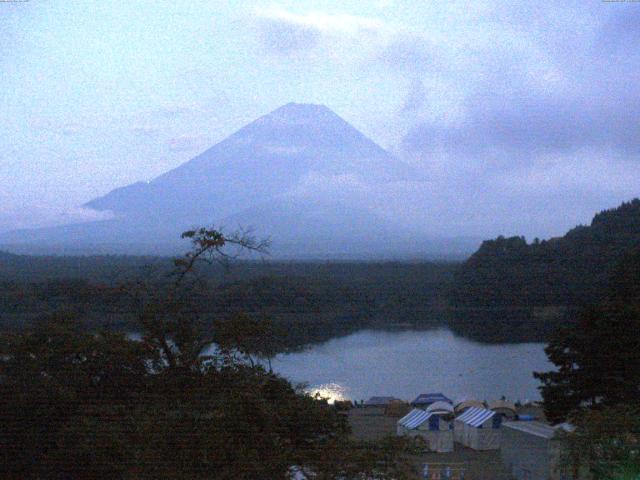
(329, 391)
(405, 363)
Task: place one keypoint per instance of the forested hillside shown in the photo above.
(309, 302)
(568, 271)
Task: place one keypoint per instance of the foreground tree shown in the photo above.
(606, 443)
(598, 358)
(78, 404)
(62, 387)
(598, 362)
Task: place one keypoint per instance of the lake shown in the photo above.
(406, 363)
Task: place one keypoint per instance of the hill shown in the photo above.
(570, 271)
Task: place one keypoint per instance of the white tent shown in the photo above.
(478, 428)
(433, 428)
(503, 407)
(534, 451)
(440, 407)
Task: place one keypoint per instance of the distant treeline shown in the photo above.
(308, 302)
(508, 291)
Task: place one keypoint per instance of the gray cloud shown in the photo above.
(285, 37)
(520, 103)
(520, 125)
(410, 53)
(526, 121)
(503, 106)
(286, 33)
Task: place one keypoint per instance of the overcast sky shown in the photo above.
(524, 116)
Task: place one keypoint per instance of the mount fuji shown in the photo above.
(300, 175)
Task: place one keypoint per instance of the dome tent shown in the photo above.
(440, 407)
(503, 407)
(464, 405)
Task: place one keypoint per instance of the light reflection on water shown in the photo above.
(329, 391)
(406, 363)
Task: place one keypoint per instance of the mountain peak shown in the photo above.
(277, 154)
(303, 107)
(301, 113)
(299, 169)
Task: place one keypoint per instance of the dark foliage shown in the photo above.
(307, 302)
(96, 404)
(78, 405)
(598, 356)
(573, 270)
(605, 444)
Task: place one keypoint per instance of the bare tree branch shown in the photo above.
(208, 245)
(168, 324)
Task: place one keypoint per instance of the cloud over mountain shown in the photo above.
(287, 33)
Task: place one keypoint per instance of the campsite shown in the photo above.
(477, 448)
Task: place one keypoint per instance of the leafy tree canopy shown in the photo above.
(606, 443)
(598, 356)
(78, 404)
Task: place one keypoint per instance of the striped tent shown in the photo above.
(476, 416)
(414, 418)
(435, 430)
(478, 428)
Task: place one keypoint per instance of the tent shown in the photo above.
(435, 430)
(425, 399)
(397, 408)
(535, 451)
(478, 428)
(379, 401)
(506, 409)
(466, 404)
(440, 407)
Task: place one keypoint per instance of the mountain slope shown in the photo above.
(300, 174)
(268, 157)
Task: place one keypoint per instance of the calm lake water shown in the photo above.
(406, 363)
